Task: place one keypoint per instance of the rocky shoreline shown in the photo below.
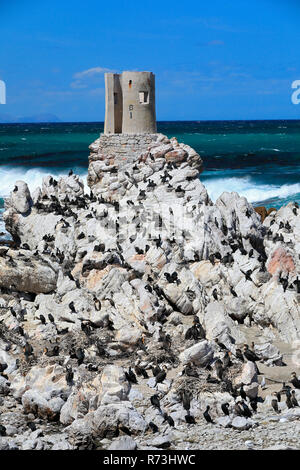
(146, 288)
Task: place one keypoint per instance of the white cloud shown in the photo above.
(88, 77)
(91, 72)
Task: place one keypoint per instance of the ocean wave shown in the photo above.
(249, 189)
(270, 149)
(33, 177)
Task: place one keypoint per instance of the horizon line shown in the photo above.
(161, 121)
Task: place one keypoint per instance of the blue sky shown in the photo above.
(217, 59)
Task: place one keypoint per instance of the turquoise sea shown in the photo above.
(258, 159)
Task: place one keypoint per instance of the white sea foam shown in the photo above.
(248, 188)
(244, 186)
(33, 177)
(274, 150)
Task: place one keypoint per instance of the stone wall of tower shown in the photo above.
(113, 104)
(138, 102)
(130, 103)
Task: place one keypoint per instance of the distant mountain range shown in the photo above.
(8, 119)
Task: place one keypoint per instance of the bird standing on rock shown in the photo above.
(28, 350)
(239, 355)
(224, 408)
(155, 370)
(295, 381)
(288, 400)
(226, 360)
(153, 427)
(274, 404)
(242, 392)
(250, 355)
(294, 399)
(253, 404)
(207, 416)
(141, 371)
(169, 419)
(130, 376)
(245, 410)
(189, 419)
(219, 369)
(160, 377)
(155, 401)
(80, 356)
(69, 376)
(186, 400)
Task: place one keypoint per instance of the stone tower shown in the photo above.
(130, 103)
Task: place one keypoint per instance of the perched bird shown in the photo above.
(43, 319)
(294, 399)
(28, 350)
(31, 426)
(224, 408)
(69, 376)
(186, 400)
(130, 376)
(51, 317)
(192, 333)
(219, 369)
(141, 371)
(239, 354)
(155, 401)
(242, 392)
(155, 370)
(274, 404)
(253, 404)
(237, 409)
(250, 355)
(295, 381)
(189, 419)
(215, 294)
(245, 410)
(169, 419)
(288, 400)
(153, 427)
(160, 377)
(207, 416)
(79, 355)
(226, 360)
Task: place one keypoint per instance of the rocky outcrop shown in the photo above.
(142, 271)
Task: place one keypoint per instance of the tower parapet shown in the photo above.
(130, 103)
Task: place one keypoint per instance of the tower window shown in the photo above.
(144, 97)
(115, 98)
(130, 83)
